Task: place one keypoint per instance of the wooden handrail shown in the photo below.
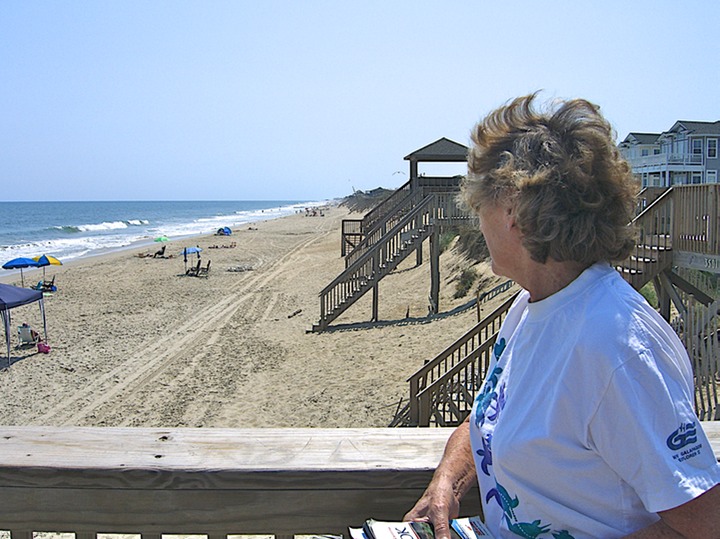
(211, 481)
(216, 481)
(382, 209)
(448, 358)
(380, 227)
(653, 250)
(464, 379)
(370, 267)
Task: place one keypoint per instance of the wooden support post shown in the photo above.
(434, 270)
(375, 292)
(416, 230)
(663, 295)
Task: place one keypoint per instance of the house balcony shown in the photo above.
(676, 162)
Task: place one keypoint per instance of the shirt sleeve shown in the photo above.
(646, 430)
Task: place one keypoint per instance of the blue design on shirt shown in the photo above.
(488, 405)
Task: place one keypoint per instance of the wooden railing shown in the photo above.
(697, 219)
(375, 263)
(653, 251)
(647, 196)
(211, 481)
(216, 482)
(441, 391)
(380, 228)
(385, 208)
(352, 235)
(700, 333)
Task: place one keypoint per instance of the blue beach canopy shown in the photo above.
(14, 296)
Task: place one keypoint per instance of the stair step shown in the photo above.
(631, 271)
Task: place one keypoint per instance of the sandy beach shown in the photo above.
(135, 342)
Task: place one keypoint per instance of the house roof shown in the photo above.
(699, 128)
(641, 138)
(442, 149)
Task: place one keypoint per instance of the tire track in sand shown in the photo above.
(153, 358)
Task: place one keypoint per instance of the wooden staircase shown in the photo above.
(442, 391)
(653, 250)
(375, 231)
(355, 230)
(399, 234)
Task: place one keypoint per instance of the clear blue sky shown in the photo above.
(186, 100)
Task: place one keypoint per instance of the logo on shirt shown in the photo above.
(685, 435)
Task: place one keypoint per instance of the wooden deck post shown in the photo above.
(434, 271)
(663, 296)
(375, 293)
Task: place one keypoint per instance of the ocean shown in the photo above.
(68, 230)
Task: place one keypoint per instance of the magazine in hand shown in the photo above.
(460, 528)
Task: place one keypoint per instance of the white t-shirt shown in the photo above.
(584, 426)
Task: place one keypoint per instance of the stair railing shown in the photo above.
(380, 228)
(463, 351)
(375, 263)
(653, 250)
(379, 212)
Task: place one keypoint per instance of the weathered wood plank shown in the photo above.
(216, 481)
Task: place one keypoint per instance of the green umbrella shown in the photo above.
(162, 238)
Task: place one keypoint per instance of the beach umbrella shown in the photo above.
(162, 238)
(20, 263)
(46, 260)
(188, 251)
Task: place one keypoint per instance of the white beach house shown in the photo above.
(685, 154)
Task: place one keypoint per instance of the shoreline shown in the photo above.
(147, 243)
(112, 226)
(135, 342)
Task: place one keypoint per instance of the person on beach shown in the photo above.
(584, 426)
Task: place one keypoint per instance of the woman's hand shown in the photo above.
(437, 505)
(452, 479)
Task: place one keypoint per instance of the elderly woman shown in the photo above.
(584, 426)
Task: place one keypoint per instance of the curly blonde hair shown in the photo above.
(572, 193)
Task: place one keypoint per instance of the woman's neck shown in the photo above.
(544, 280)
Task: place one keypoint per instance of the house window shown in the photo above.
(697, 146)
(645, 152)
(712, 148)
(656, 151)
(696, 177)
(711, 176)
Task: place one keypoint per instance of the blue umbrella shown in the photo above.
(20, 263)
(188, 251)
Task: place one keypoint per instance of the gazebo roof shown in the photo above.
(442, 149)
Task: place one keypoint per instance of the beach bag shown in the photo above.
(43, 348)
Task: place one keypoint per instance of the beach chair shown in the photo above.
(27, 335)
(203, 272)
(194, 270)
(48, 286)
